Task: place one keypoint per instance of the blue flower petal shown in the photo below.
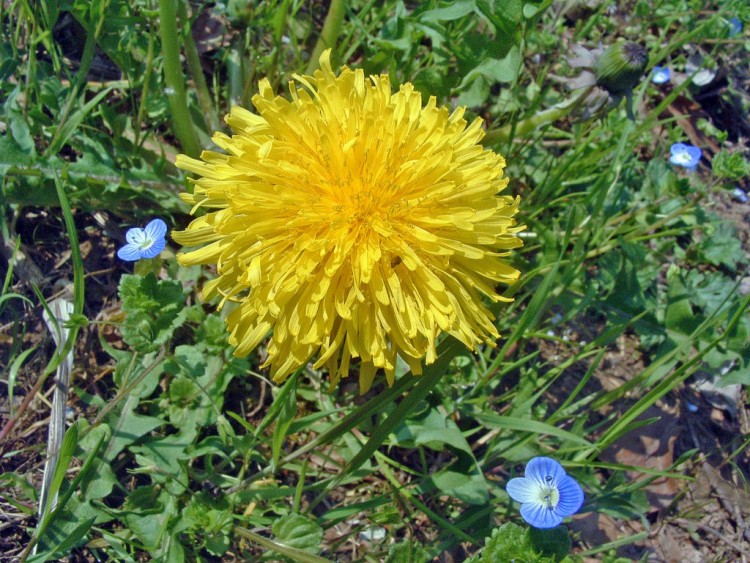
(539, 468)
(136, 235)
(155, 249)
(539, 515)
(130, 252)
(523, 490)
(685, 155)
(735, 27)
(156, 229)
(571, 496)
(660, 75)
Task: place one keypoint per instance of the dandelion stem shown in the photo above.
(329, 34)
(183, 126)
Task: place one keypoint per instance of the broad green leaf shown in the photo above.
(455, 11)
(471, 489)
(147, 512)
(298, 531)
(433, 430)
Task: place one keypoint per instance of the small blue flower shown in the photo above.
(546, 493)
(684, 155)
(660, 75)
(740, 195)
(144, 243)
(735, 27)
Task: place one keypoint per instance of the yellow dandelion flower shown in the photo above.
(351, 222)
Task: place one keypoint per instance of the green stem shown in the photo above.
(526, 126)
(183, 126)
(196, 71)
(331, 31)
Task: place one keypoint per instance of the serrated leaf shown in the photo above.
(155, 308)
(406, 552)
(509, 542)
(207, 521)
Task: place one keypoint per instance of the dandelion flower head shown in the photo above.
(351, 222)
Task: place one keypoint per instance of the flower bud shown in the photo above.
(620, 66)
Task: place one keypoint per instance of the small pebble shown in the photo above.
(371, 534)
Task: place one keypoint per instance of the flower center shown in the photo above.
(146, 244)
(682, 157)
(549, 495)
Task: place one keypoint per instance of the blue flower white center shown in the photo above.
(681, 157)
(141, 240)
(549, 495)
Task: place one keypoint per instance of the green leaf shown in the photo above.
(406, 552)
(298, 531)
(507, 543)
(679, 317)
(70, 440)
(722, 247)
(505, 15)
(471, 488)
(731, 166)
(208, 522)
(433, 430)
(102, 479)
(65, 544)
(495, 421)
(455, 11)
(147, 512)
(553, 542)
(74, 121)
(155, 308)
(163, 459)
(285, 418)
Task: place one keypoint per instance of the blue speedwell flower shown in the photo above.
(684, 155)
(735, 27)
(740, 195)
(546, 493)
(144, 243)
(660, 75)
